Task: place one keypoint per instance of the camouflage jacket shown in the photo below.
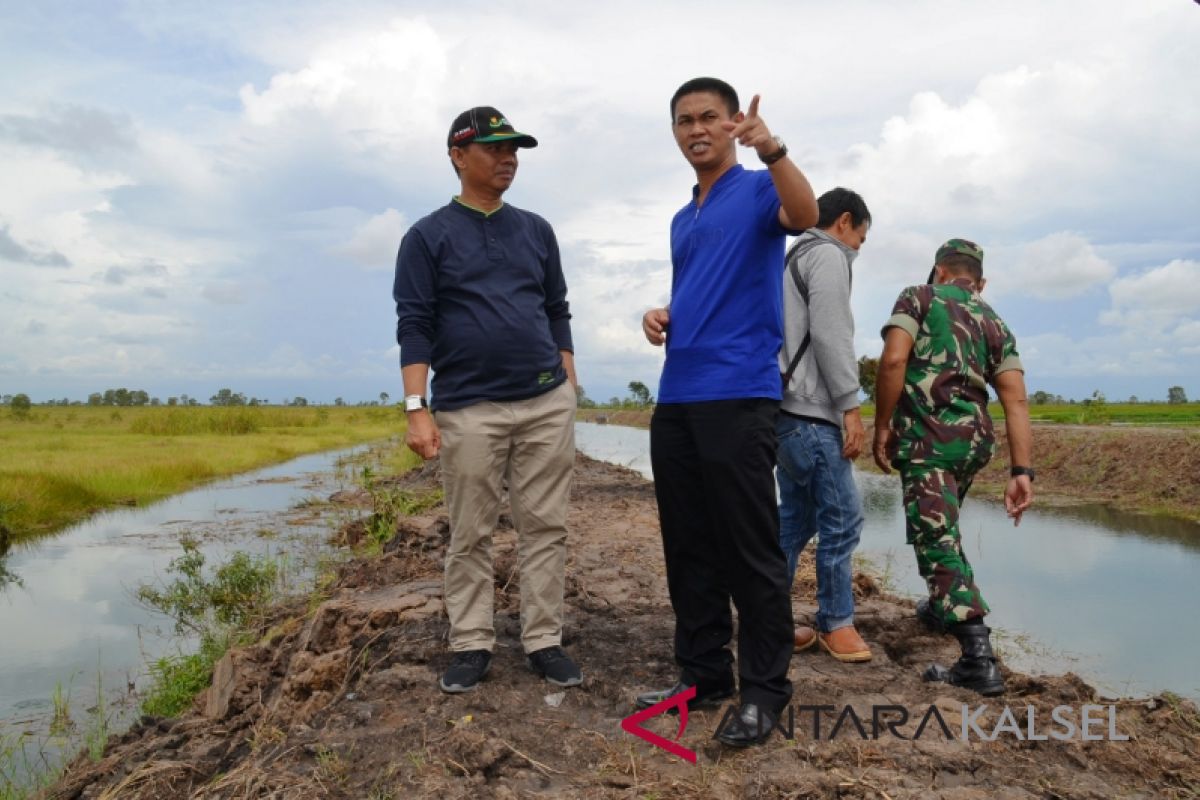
(959, 346)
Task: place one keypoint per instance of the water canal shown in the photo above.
(1086, 589)
(69, 617)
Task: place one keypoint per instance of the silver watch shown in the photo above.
(415, 402)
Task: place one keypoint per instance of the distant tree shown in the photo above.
(5, 398)
(253, 401)
(1040, 398)
(228, 397)
(339, 401)
(172, 401)
(868, 374)
(582, 400)
(640, 394)
(20, 404)
(383, 398)
(154, 401)
(95, 399)
(184, 400)
(138, 397)
(1133, 399)
(299, 401)
(1176, 395)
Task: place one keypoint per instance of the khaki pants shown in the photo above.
(533, 443)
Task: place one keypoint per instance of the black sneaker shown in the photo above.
(553, 664)
(465, 672)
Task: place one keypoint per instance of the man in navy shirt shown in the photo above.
(712, 436)
(480, 298)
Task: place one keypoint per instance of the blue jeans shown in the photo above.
(817, 497)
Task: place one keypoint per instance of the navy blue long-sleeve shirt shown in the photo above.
(481, 299)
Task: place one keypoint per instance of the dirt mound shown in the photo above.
(341, 700)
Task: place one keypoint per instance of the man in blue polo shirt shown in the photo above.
(480, 298)
(712, 436)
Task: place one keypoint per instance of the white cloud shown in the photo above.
(379, 81)
(1057, 266)
(285, 143)
(373, 244)
(1162, 303)
(1171, 290)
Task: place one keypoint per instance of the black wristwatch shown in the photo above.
(777, 155)
(1015, 471)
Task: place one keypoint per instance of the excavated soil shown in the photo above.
(339, 698)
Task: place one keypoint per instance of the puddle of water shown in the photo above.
(72, 613)
(1104, 594)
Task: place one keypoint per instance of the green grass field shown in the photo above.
(60, 464)
(1168, 414)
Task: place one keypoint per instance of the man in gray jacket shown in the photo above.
(820, 429)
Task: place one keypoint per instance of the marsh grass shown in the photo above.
(25, 767)
(31, 763)
(61, 722)
(220, 608)
(59, 465)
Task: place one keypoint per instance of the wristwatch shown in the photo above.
(778, 154)
(1015, 471)
(414, 402)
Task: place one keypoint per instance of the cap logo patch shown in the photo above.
(498, 122)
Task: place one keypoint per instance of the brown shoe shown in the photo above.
(806, 637)
(845, 644)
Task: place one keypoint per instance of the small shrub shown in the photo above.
(219, 609)
(238, 589)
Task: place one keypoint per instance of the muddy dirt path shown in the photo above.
(340, 700)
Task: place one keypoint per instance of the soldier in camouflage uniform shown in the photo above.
(943, 345)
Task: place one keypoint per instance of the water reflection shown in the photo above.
(1084, 588)
(72, 613)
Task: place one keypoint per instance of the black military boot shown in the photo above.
(976, 669)
(928, 617)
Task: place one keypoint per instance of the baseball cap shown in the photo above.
(485, 124)
(961, 246)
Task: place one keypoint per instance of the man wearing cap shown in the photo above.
(481, 299)
(712, 436)
(943, 346)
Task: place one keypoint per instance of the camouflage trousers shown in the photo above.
(933, 495)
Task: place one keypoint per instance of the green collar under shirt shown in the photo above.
(458, 200)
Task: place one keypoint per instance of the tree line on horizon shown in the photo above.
(133, 398)
(639, 397)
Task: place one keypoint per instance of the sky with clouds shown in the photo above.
(208, 195)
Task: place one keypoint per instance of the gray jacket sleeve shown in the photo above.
(831, 325)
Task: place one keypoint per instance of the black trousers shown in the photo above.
(714, 478)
